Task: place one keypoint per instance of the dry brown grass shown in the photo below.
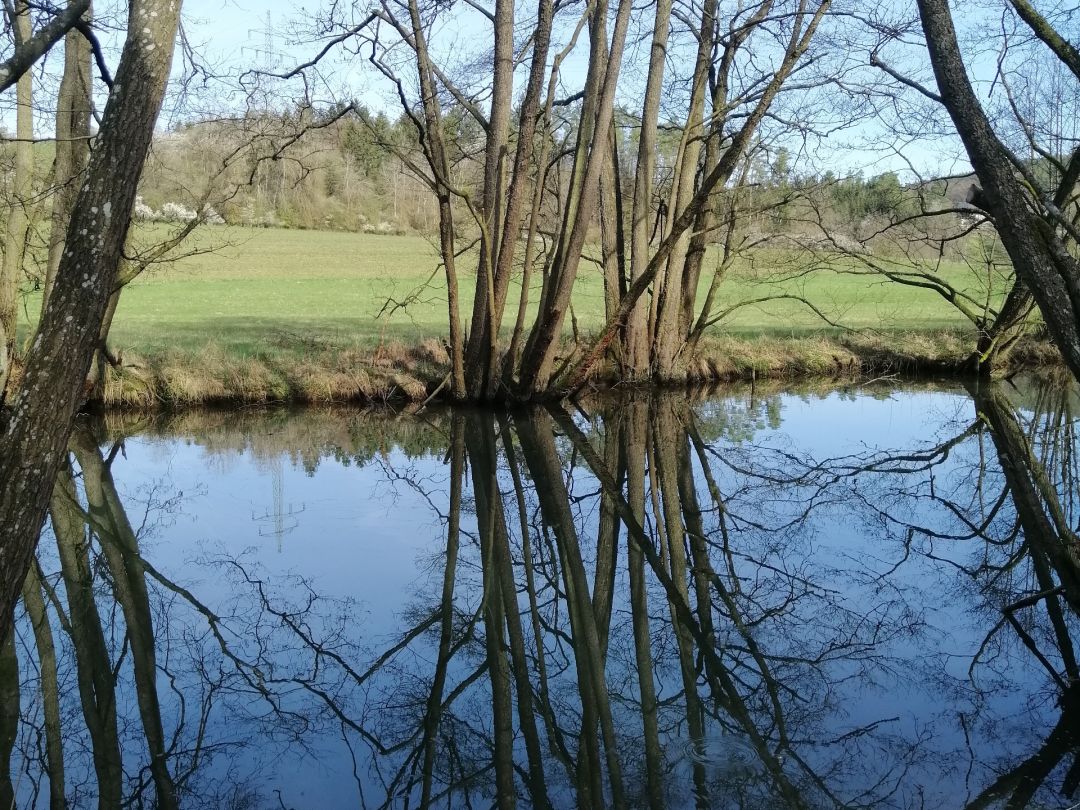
(398, 373)
(213, 376)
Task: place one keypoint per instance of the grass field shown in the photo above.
(263, 315)
(264, 288)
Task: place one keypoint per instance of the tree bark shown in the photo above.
(668, 334)
(38, 420)
(799, 40)
(1038, 254)
(537, 364)
(500, 242)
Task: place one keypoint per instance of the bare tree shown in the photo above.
(37, 417)
(1032, 225)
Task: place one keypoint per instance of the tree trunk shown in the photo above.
(18, 220)
(537, 364)
(493, 277)
(38, 421)
(1038, 254)
(799, 40)
(668, 332)
(996, 340)
(701, 234)
(95, 379)
(637, 327)
(431, 139)
(73, 109)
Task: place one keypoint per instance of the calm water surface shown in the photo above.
(846, 598)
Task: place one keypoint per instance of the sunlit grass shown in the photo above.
(252, 291)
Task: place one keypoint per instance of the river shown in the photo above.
(752, 598)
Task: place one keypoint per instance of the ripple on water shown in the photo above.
(722, 751)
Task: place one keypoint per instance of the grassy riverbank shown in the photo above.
(256, 315)
(398, 372)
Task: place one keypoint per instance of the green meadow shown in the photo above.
(253, 290)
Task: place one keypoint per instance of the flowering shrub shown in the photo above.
(143, 211)
(175, 212)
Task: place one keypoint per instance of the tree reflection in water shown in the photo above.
(653, 604)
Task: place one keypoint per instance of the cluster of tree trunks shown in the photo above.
(651, 279)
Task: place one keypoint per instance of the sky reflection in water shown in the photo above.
(751, 600)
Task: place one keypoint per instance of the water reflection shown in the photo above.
(647, 603)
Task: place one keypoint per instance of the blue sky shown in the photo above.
(231, 36)
(234, 31)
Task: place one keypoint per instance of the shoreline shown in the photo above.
(396, 374)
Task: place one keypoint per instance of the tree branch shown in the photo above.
(28, 52)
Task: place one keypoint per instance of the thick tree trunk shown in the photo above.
(1038, 254)
(95, 379)
(491, 280)
(38, 421)
(541, 169)
(997, 339)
